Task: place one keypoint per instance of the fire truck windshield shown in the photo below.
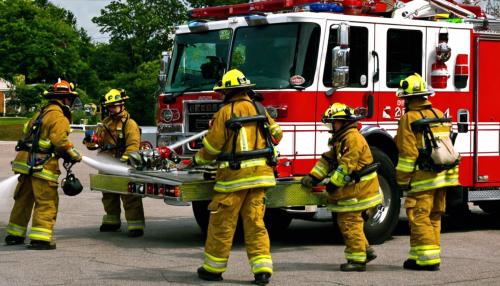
(269, 55)
(198, 61)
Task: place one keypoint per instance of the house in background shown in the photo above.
(5, 88)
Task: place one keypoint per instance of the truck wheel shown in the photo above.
(490, 207)
(201, 214)
(277, 221)
(380, 224)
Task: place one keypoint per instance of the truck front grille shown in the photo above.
(197, 115)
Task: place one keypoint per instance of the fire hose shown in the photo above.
(160, 158)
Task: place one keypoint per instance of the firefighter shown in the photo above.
(353, 187)
(425, 200)
(117, 136)
(45, 141)
(241, 139)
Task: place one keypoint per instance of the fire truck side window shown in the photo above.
(199, 60)
(270, 55)
(358, 57)
(404, 55)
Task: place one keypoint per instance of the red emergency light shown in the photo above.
(223, 12)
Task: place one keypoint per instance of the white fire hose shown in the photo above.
(114, 168)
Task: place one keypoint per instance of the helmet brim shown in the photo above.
(118, 102)
(218, 88)
(401, 94)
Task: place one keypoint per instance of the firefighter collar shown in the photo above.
(419, 104)
(337, 136)
(122, 114)
(239, 97)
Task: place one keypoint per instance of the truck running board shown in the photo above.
(484, 195)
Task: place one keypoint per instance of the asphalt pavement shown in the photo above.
(172, 247)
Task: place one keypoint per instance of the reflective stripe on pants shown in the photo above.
(16, 230)
(134, 210)
(426, 254)
(40, 233)
(214, 264)
(37, 196)
(261, 263)
(225, 209)
(351, 227)
(424, 210)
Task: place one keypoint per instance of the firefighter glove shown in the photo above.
(72, 156)
(309, 181)
(124, 159)
(187, 164)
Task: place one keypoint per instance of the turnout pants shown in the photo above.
(37, 196)
(134, 211)
(351, 227)
(424, 210)
(225, 209)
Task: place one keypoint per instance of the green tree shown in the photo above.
(41, 41)
(141, 86)
(28, 97)
(142, 27)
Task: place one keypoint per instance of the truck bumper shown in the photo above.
(182, 188)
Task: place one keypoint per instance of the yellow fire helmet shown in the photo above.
(233, 79)
(413, 86)
(115, 97)
(339, 111)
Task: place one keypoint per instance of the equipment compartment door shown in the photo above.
(487, 129)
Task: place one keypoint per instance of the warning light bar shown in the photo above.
(223, 12)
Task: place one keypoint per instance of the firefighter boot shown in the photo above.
(370, 254)
(135, 233)
(412, 265)
(209, 276)
(261, 278)
(109, 227)
(353, 266)
(14, 239)
(41, 245)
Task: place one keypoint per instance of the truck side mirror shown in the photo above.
(164, 66)
(340, 56)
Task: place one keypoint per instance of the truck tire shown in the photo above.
(277, 221)
(379, 226)
(490, 207)
(201, 214)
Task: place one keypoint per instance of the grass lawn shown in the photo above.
(11, 129)
(13, 121)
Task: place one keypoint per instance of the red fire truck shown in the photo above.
(304, 55)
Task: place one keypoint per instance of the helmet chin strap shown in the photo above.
(347, 125)
(118, 113)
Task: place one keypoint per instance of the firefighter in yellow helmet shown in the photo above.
(353, 186)
(117, 136)
(241, 140)
(45, 140)
(425, 188)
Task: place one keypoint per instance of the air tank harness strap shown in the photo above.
(120, 142)
(31, 144)
(235, 124)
